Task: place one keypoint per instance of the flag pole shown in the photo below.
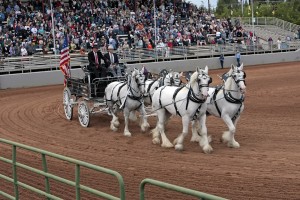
(53, 33)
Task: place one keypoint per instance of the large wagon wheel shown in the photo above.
(68, 107)
(83, 114)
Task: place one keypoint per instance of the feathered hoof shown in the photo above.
(156, 141)
(127, 133)
(113, 128)
(225, 137)
(207, 149)
(168, 145)
(116, 123)
(175, 141)
(179, 147)
(233, 144)
(144, 127)
(195, 138)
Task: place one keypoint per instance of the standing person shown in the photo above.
(222, 60)
(113, 64)
(279, 43)
(95, 67)
(238, 58)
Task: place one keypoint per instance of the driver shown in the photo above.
(113, 64)
(95, 67)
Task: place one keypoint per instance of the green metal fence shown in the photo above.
(76, 183)
(47, 193)
(176, 188)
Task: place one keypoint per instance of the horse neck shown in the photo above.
(195, 87)
(133, 88)
(232, 87)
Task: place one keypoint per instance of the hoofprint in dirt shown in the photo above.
(266, 166)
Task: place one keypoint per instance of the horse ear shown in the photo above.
(206, 69)
(198, 70)
(232, 66)
(241, 67)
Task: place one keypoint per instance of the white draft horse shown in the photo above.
(227, 102)
(127, 96)
(172, 78)
(188, 102)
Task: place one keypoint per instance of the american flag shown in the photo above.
(65, 59)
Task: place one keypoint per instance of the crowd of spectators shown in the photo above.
(26, 27)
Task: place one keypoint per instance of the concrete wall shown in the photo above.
(56, 77)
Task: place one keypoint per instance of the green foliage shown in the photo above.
(288, 11)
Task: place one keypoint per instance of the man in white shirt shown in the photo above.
(113, 65)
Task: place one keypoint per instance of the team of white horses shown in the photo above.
(193, 102)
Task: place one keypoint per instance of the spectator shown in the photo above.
(222, 60)
(279, 43)
(270, 42)
(23, 51)
(238, 58)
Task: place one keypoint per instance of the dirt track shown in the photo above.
(266, 166)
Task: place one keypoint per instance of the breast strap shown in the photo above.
(174, 96)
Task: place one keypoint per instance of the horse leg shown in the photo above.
(195, 136)
(228, 136)
(132, 116)
(126, 119)
(205, 140)
(160, 130)
(185, 129)
(114, 124)
(144, 123)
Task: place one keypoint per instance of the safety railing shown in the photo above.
(51, 62)
(47, 193)
(194, 193)
(271, 21)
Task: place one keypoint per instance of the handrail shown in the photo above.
(176, 188)
(47, 175)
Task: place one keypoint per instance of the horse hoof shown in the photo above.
(127, 133)
(195, 139)
(170, 145)
(145, 127)
(156, 141)
(113, 128)
(207, 149)
(233, 145)
(116, 124)
(179, 147)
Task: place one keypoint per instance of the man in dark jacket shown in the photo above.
(95, 67)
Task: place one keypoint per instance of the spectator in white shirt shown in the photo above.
(23, 51)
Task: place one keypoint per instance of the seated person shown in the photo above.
(113, 64)
(95, 67)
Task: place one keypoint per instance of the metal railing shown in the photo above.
(271, 21)
(51, 62)
(47, 193)
(176, 188)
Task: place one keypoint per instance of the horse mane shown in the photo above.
(193, 78)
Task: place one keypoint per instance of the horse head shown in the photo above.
(239, 76)
(177, 78)
(139, 78)
(202, 79)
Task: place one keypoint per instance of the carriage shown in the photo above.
(87, 94)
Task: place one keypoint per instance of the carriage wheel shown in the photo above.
(83, 114)
(68, 107)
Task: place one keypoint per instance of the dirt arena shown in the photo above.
(266, 166)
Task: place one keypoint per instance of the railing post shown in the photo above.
(45, 168)
(77, 181)
(14, 160)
